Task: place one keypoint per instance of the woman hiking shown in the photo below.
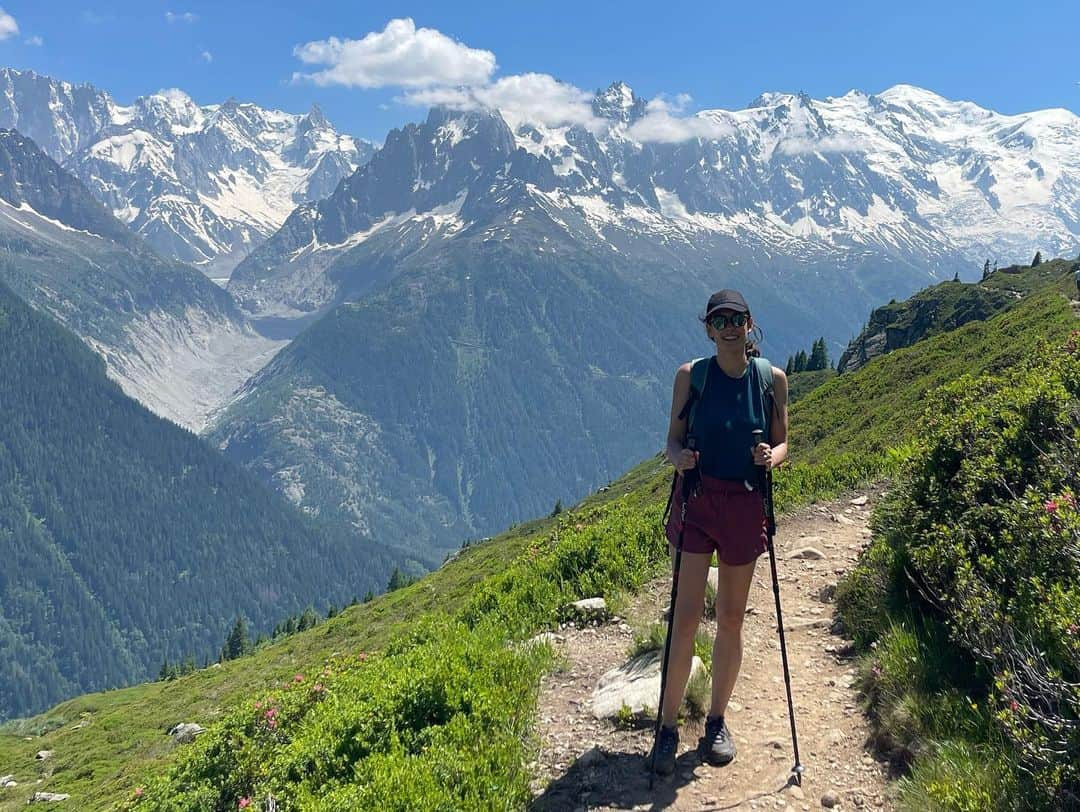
(725, 513)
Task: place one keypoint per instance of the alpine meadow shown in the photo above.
(341, 465)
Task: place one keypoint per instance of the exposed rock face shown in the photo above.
(935, 310)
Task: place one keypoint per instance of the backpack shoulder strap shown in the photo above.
(699, 377)
(763, 367)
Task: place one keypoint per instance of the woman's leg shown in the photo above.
(732, 591)
(686, 616)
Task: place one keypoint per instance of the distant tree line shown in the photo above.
(817, 359)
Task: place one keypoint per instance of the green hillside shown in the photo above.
(399, 724)
(128, 540)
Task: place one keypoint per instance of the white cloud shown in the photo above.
(660, 126)
(36, 41)
(182, 17)
(401, 55)
(533, 97)
(830, 143)
(8, 27)
(661, 104)
(207, 56)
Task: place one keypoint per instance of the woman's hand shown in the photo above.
(686, 459)
(763, 455)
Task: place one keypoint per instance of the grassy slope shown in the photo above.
(861, 414)
(104, 760)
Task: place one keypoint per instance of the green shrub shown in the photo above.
(957, 776)
(971, 588)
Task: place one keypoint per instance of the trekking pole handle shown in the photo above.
(690, 477)
(759, 437)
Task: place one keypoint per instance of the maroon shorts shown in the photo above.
(723, 516)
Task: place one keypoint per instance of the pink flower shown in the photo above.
(1014, 706)
(1069, 500)
(244, 802)
(1051, 506)
(318, 688)
(258, 705)
(298, 678)
(138, 792)
(1073, 629)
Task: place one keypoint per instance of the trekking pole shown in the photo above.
(765, 482)
(689, 481)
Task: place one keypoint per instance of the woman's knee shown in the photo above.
(729, 619)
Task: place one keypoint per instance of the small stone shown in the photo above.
(829, 800)
(46, 797)
(809, 553)
(795, 791)
(185, 732)
(7, 781)
(544, 638)
(859, 501)
(43, 754)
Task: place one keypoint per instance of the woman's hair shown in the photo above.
(753, 340)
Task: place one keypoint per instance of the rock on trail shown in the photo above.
(586, 763)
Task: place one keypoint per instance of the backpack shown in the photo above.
(699, 378)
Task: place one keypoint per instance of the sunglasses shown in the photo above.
(720, 321)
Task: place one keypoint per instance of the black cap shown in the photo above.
(726, 299)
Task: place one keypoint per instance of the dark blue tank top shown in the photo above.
(726, 415)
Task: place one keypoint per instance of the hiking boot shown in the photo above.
(667, 744)
(716, 746)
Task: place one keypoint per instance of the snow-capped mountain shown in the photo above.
(506, 302)
(202, 184)
(904, 177)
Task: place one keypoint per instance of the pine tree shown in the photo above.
(986, 269)
(800, 361)
(1038, 259)
(164, 673)
(369, 596)
(237, 644)
(956, 277)
(819, 357)
(555, 511)
(790, 367)
(397, 580)
(308, 620)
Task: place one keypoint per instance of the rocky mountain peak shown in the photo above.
(619, 103)
(315, 118)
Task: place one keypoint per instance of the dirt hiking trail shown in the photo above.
(590, 764)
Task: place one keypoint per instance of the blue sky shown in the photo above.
(1008, 56)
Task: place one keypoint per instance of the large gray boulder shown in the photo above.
(635, 684)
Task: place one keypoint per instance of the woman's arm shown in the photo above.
(682, 458)
(774, 455)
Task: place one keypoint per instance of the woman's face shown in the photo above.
(723, 329)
